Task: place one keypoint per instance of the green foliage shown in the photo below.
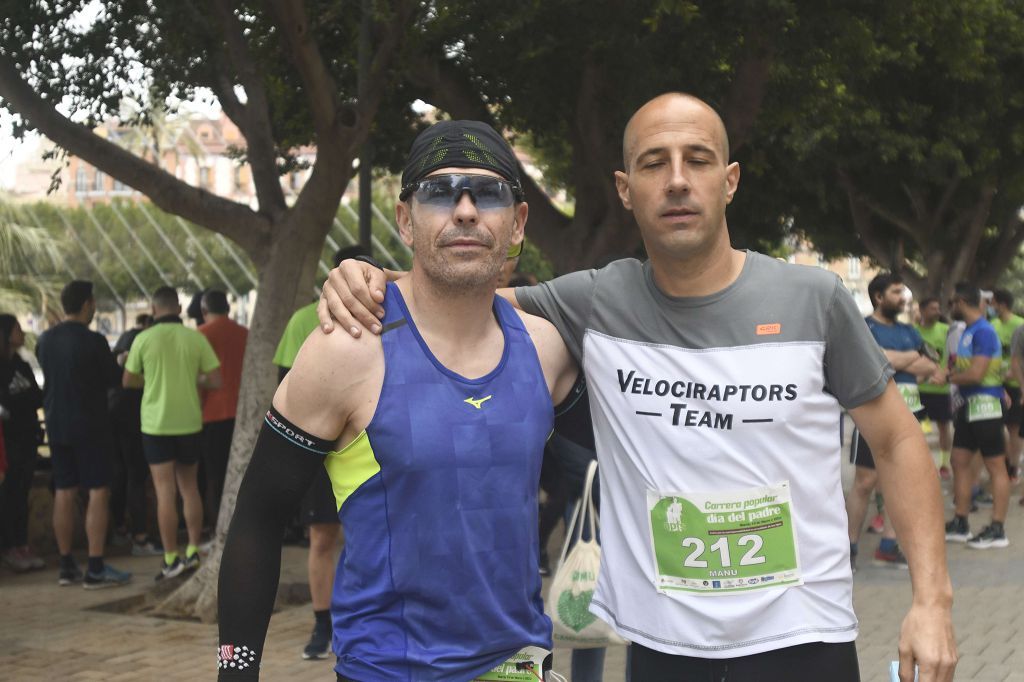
(29, 266)
(932, 101)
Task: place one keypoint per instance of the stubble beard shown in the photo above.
(458, 277)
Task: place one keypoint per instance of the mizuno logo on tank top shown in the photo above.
(477, 402)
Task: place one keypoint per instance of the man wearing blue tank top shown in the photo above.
(432, 435)
(717, 379)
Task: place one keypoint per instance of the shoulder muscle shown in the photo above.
(334, 380)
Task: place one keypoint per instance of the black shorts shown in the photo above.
(83, 464)
(1012, 416)
(985, 435)
(184, 449)
(937, 406)
(813, 662)
(319, 504)
(860, 453)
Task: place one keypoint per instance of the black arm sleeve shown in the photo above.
(282, 467)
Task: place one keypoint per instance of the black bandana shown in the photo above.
(460, 144)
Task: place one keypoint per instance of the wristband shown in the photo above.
(369, 260)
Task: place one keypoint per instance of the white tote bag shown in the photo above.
(575, 578)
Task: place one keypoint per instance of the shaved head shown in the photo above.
(666, 106)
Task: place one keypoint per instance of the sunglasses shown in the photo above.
(445, 191)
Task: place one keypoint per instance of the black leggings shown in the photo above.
(802, 663)
(14, 492)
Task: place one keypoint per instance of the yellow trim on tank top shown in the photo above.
(350, 467)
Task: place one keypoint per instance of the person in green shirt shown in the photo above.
(171, 363)
(935, 397)
(1006, 323)
(319, 511)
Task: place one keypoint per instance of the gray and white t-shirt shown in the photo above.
(716, 419)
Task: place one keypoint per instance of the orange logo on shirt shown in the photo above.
(769, 329)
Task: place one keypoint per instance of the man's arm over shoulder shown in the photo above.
(565, 301)
(325, 399)
(560, 369)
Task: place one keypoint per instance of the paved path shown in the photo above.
(50, 633)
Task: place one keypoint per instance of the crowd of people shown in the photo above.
(116, 419)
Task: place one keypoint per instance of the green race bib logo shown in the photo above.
(526, 665)
(717, 543)
(911, 396)
(982, 406)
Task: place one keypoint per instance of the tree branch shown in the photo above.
(1011, 236)
(917, 202)
(380, 63)
(971, 238)
(947, 197)
(253, 118)
(321, 91)
(862, 223)
(249, 229)
(747, 90)
(885, 214)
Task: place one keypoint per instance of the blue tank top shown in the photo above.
(438, 498)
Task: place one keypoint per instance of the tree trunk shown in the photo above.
(284, 277)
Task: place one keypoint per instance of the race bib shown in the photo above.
(911, 396)
(982, 406)
(526, 665)
(723, 542)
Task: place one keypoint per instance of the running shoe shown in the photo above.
(989, 538)
(982, 499)
(120, 538)
(146, 547)
(108, 577)
(957, 530)
(892, 559)
(69, 576)
(944, 473)
(319, 643)
(34, 562)
(877, 524)
(16, 561)
(172, 570)
(191, 563)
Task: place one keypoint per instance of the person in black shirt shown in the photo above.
(78, 368)
(128, 488)
(20, 400)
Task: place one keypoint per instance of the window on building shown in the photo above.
(98, 181)
(81, 180)
(204, 177)
(120, 186)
